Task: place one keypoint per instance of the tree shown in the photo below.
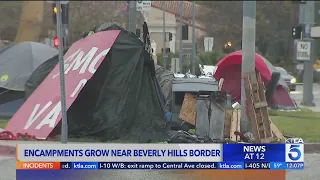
(209, 58)
(224, 22)
(9, 18)
(83, 15)
(274, 21)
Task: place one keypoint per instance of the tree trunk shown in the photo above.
(30, 21)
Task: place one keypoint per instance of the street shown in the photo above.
(298, 96)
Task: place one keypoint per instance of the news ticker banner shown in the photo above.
(160, 153)
(158, 165)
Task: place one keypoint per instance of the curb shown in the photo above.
(10, 151)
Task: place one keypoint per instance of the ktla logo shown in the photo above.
(294, 150)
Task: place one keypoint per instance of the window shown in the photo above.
(185, 33)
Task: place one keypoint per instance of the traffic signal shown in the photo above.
(228, 44)
(64, 13)
(296, 32)
(56, 42)
(228, 47)
(168, 37)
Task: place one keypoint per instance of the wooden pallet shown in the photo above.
(257, 107)
(276, 133)
(232, 124)
(188, 109)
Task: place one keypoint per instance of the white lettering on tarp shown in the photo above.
(66, 65)
(85, 61)
(81, 83)
(34, 115)
(91, 68)
(52, 117)
(76, 62)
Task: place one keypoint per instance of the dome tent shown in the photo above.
(229, 68)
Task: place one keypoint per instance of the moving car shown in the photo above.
(288, 78)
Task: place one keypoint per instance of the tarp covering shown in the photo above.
(120, 101)
(18, 61)
(165, 78)
(8, 109)
(229, 68)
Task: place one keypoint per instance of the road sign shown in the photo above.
(61, 2)
(143, 5)
(208, 43)
(304, 50)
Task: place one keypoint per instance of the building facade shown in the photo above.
(154, 19)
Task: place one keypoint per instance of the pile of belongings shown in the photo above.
(180, 136)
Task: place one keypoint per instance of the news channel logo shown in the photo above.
(294, 150)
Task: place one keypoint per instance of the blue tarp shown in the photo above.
(8, 109)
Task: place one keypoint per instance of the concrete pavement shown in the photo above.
(298, 96)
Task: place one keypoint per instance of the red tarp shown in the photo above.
(42, 110)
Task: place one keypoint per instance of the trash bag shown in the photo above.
(186, 137)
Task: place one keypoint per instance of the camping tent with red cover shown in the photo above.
(229, 68)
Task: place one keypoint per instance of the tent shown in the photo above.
(17, 63)
(165, 78)
(120, 101)
(229, 68)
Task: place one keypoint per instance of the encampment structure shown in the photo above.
(119, 102)
(229, 68)
(17, 63)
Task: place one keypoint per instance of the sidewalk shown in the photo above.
(8, 148)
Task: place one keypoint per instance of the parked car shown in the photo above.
(288, 78)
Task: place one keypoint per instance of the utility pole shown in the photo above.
(193, 40)
(180, 44)
(306, 18)
(248, 51)
(65, 35)
(132, 16)
(164, 35)
(64, 127)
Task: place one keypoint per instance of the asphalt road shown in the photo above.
(7, 172)
(298, 96)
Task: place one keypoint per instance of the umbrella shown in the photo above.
(18, 61)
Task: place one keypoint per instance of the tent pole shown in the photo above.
(64, 126)
(193, 70)
(180, 40)
(164, 35)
